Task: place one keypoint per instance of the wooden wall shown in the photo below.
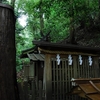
(58, 77)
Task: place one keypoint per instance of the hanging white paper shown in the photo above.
(80, 60)
(90, 61)
(70, 60)
(58, 59)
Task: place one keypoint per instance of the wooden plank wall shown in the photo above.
(63, 73)
(28, 91)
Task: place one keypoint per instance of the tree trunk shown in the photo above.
(13, 3)
(99, 10)
(8, 83)
(72, 35)
(41, 19)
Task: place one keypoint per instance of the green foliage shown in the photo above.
(85, 11)
(9, 2)
(56, 16)
(23, 41)
(4, 1)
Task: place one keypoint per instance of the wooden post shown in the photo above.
(40, 90)
(26, 72)
(21, 93)
(48, 78)
(26, 92)
(96, 66)
(33, 90)
(75, 66)
(31, 70)
(32, 77)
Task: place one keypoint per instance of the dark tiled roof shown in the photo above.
(86, 41)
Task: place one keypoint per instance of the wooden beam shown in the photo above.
(66, 47)
(96, 66)
(75, 66)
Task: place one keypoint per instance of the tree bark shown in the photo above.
(8, 83)
(72, 35)
(99, 9)
(13, 3)
(41, 19)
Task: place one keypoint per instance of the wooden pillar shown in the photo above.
(96, 66)
(21, 91)
(8, 83)
(33, 90)
(26, 72)
(32, 76)
(40, 90)
(48, 78)
(26, 91)
(31, 70)
(75, 66)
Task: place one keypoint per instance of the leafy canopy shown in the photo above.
(55, 15)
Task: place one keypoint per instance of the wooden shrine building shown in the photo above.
(56, 64)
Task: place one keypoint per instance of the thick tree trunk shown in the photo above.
(8, 83)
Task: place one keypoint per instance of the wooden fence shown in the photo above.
(61, 79)
(30, 90)
(63, 73)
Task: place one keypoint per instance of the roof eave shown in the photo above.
(67, 47)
